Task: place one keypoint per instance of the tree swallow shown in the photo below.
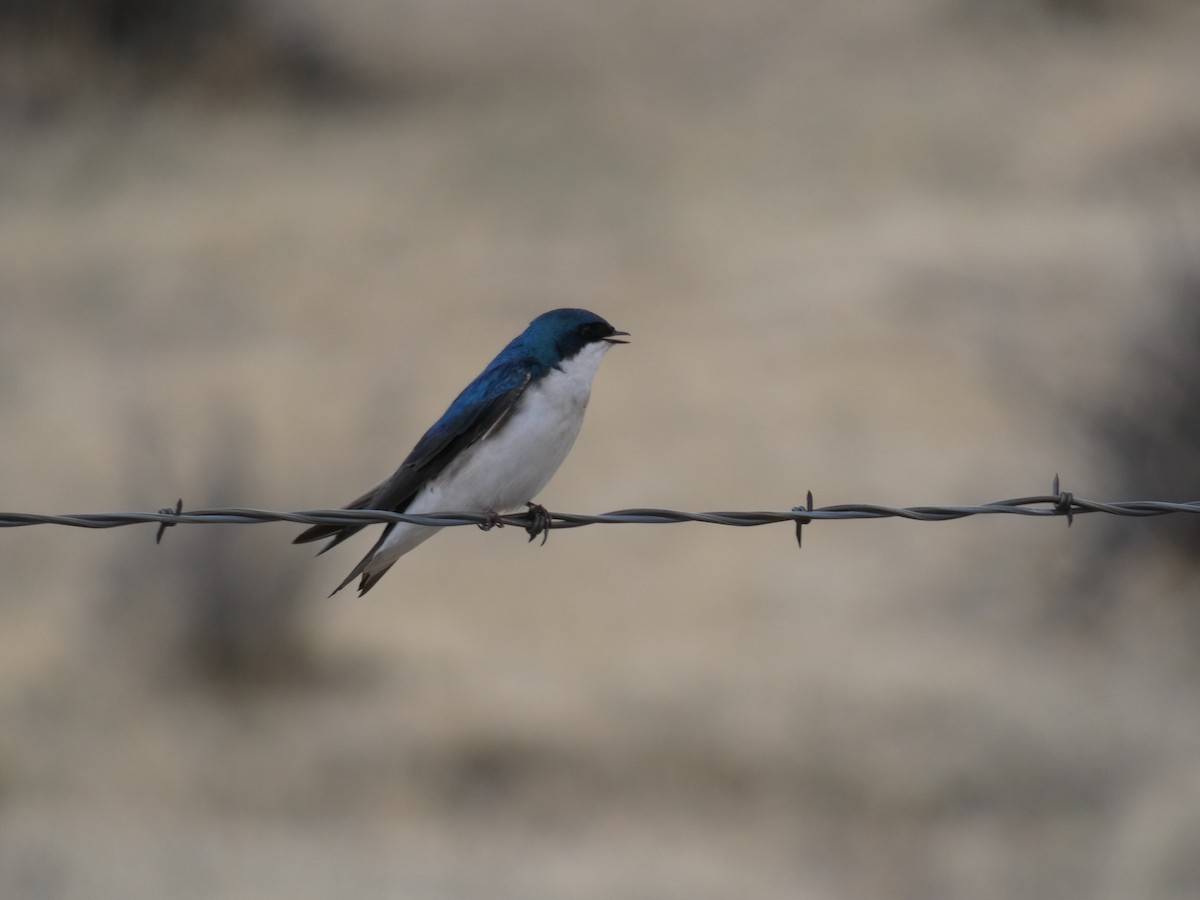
(499, 443)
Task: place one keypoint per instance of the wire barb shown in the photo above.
(1064, 502)
(164, 525)
(801, 522)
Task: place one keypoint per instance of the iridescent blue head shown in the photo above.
(557, 336)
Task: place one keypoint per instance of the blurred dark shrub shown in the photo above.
(1141, 576)
(1069, 12)
(221, 606)
(1152, 432)
(170, 29)
(59, 51)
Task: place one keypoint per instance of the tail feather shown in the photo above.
(368, 578)
(370, 569)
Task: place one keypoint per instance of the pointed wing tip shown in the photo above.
(308, 535)
(337, 536)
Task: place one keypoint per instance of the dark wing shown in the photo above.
(484, 403)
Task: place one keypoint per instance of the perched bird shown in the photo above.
(499, 443)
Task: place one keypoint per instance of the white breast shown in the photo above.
(511, 466)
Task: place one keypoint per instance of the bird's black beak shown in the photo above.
(615, 337)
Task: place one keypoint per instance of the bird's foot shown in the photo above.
(539, 521)
(491, 521)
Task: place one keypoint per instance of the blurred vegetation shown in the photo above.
(58, 51)
(1066, 12)
(220, 605)
(1149, 441)
(1153, 431)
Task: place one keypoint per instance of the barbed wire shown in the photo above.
(1058, 503)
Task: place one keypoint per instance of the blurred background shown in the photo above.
(903, 253)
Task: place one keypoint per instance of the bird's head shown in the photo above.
(560, 334)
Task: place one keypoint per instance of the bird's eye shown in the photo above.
(591, 331)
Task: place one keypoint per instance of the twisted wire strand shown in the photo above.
(1058, 503)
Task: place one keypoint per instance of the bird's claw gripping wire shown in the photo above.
(539, 522)
(492, 520)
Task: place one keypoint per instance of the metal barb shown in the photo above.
(803, 520)
(168, 511)
(1064, 502)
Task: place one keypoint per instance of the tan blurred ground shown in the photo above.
(887, 252)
